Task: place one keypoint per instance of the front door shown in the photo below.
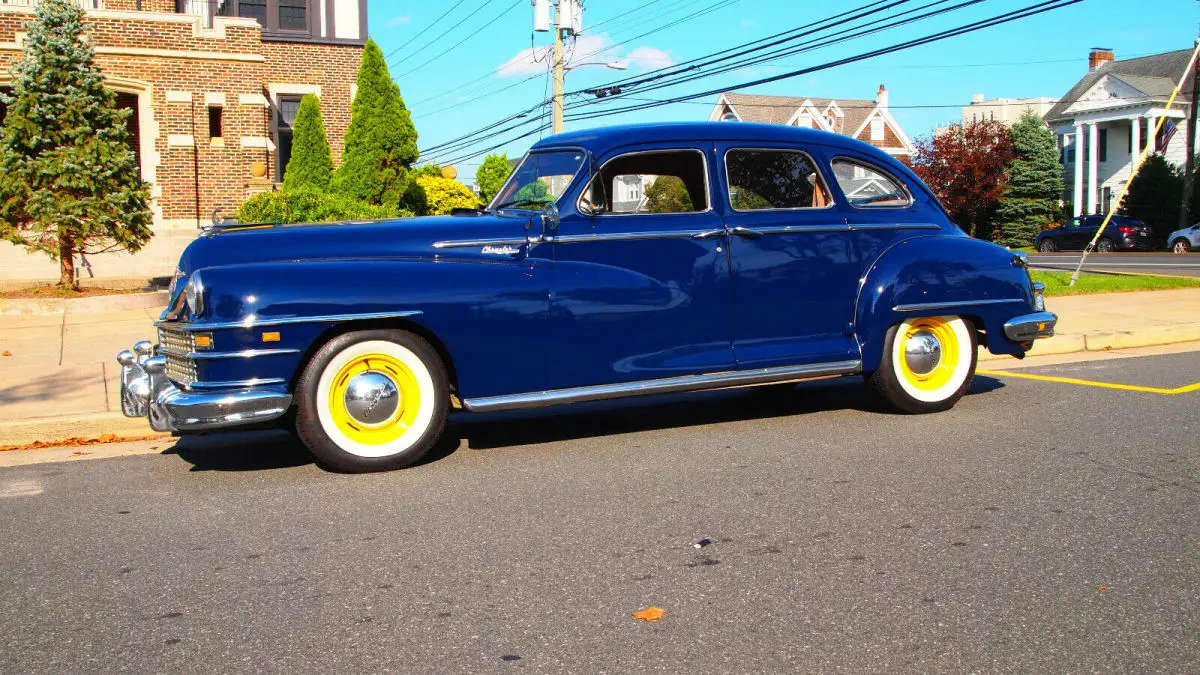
(641, 281)
(792, 286)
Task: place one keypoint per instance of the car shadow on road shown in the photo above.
(263, 450)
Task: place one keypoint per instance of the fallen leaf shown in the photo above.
(649, 614)
(1101, 589)
(76, 441)
(80, 453)
(6, 353)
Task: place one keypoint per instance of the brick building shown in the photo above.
(214, 86)
(868, 121)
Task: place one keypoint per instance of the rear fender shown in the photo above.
(941, 275)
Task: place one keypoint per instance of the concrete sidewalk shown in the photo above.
(62, 379)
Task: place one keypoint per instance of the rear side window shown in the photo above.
(774, 179)
(869, 187)
(660, 181)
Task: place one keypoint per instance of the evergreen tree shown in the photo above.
(381, 142)
(68, 180)
(1154, 195)
(668, 194)
(1035, 184)
(311, 164)
(491, 174)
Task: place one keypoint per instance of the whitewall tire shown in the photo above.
(928, 364)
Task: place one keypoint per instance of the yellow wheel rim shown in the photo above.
(943, 372)
(395, 425)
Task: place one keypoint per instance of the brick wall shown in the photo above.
(177, 69)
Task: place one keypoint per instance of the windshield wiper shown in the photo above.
(521, 202)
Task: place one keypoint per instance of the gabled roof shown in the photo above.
(780, 109)
(1153, 72)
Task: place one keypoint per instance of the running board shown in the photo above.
(669, 385)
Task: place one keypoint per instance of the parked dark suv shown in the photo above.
(1122, 234)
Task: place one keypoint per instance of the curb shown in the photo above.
(53, 429)
(1101, 341)
(94, 305)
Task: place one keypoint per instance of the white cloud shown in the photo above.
(398, 21)
(650, 57)
(598, 48)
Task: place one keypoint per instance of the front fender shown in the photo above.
(482, 313)
(941, 275)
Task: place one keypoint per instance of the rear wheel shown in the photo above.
(1181, 246)
(928, 364)
(1047, 246)
(1105, 245)
(371, 401)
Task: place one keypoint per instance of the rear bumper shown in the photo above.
(147, 392)
(1030, 327)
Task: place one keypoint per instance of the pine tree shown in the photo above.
(311, 163)
(1154, 195)
(381, 142)
(68, 180)
(1035, 184)
(491, 174)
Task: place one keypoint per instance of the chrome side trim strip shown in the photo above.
(471, 243)
(253, 321)
(239, 384)
(926, 306)
(802, 229)
(895, 226)
(627, 236)
(742, 378)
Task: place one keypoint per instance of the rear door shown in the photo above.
(792, 285)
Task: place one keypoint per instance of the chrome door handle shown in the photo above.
(711, 234)
(746, 232)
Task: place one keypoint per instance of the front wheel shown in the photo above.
(928, 364)
(1181, 246)
(372, 400)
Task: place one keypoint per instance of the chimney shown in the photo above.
(1098, 57)
(881, 97)
(977, 98)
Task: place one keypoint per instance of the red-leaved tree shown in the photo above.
(965, 167)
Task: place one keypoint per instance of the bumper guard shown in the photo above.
(1030, 327)
(146, 392)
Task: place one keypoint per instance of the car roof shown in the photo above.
(601, 139)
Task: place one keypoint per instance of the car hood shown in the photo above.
(400, 238)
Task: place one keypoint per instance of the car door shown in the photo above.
(792, 285)
(641, 279)
(1087, 229)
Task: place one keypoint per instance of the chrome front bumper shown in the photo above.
(147, 392)
(1030, 327)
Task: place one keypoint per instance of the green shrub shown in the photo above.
(310, 206)
(443, 195)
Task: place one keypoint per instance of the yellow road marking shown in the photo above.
(1090, 383)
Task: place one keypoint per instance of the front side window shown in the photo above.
(660, 181)
(540, 179)
(869, 186)
(774, 179)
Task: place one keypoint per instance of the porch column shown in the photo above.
(1078, 143)
(1093, 167)
(1135, 141)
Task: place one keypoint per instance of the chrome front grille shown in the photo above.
(176, 345)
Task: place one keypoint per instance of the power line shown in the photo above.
(424, 30)
(459, 43)
(445, 32)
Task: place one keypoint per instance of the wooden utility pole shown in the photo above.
(558, 80)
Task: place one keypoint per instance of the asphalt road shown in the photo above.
(1187, 265)
(1037, 527)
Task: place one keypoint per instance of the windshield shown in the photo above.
(540, 179)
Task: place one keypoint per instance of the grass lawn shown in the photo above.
(1058, 283)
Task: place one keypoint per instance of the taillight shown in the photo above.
(1125, 229)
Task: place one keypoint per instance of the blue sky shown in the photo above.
(490, 75)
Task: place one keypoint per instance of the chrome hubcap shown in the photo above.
(922, 352)
(372, 398)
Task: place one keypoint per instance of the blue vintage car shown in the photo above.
(614, 262)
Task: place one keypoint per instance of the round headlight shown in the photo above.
(194, 294)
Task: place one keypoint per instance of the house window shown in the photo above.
(729, 116)
(253, 9)
(877, 130)
(7, 91)
(1102, 150)
(127, 101)
(288, 107)
(215, 126)
(293, 15)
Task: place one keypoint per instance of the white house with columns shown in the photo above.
(1108, 117)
